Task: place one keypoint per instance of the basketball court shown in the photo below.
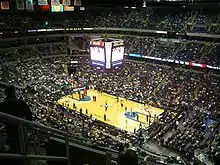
(133, 118)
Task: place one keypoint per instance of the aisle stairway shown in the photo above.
(161, 82)
(178, 49)
(205, 51)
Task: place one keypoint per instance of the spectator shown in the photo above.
(128, 157)
(18, 108)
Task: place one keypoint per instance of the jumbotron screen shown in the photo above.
(108, 53)
(97, 54)
(117, 55)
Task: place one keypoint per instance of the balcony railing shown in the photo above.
(27, 128)
(24, 154)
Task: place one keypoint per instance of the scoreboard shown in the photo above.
(106, 53)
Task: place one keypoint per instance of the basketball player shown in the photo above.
(134, 130)
(94, 98)
(122, 104)
(104, 117)
(74, 106)
(106, 105)
(79, 94)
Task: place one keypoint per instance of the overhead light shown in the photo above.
(82, 8)
(133, 7)
(126, 7)
(144, 3)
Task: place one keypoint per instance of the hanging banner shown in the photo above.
(77, 3)
(5, 5)
(68, 8)
(55, 2)
(66, 3)
(42, 2)
(45, 7)
(29, 5)
(57, 8)
(20, 4)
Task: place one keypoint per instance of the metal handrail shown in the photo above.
(68, 139)
(17, 120)
(32, 157)
(63, 136)
(11, 156)
(8, 117)
(42, 157)
(23, 140)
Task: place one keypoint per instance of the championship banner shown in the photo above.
(57, 8)
(29, 5)
(66, 3)
(20, 4)
(55, 2)
(77, 3)
(68, 8)
(5, 5)
(44, 7)
(42, 2)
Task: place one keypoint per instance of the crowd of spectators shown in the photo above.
(191, 52)
(212, 151)
(132, 80)
(140, 45)
(42, 75)
(198, 52)
(193, 131)
(149, 18)
(164, 50)
(179, 87)
(187, 51)
(169, 86)
(212, 58)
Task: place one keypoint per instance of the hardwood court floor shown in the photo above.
(115, 113)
